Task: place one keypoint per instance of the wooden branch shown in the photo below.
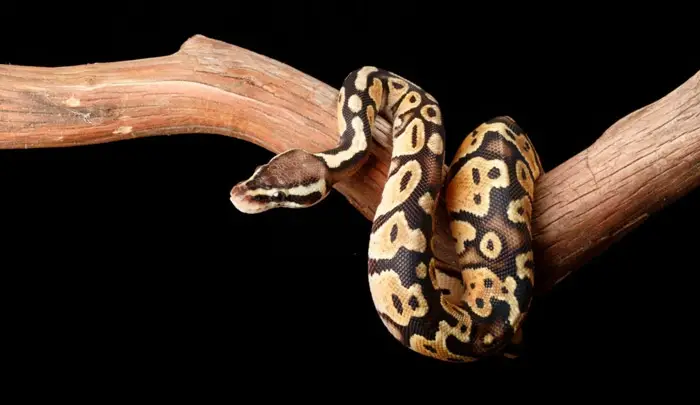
(639, 165)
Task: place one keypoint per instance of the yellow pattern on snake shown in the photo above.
(488, 191)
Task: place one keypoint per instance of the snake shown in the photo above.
(459, 311)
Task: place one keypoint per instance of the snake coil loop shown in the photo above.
(447, 313)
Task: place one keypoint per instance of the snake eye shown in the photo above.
(278, 196)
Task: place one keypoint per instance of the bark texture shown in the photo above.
(640, 164)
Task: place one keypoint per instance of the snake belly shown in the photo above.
(457, 313)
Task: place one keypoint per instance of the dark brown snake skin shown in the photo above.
(449, 315)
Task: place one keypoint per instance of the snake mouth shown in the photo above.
(244, 202)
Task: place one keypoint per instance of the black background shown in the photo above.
(126, 261)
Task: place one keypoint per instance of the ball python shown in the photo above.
(458, 313)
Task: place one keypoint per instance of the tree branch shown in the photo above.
(639, 165)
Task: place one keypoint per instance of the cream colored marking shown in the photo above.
(471, 257)
(427, 203)
(496, 245)
(421, 270)
(518, 321)
(524, 177)
(397, 122)
(521, 269)
(319, 186)
(392, 194)
(464, 193)
(72, 102)
(342, 126)
(430, 97)
(515, 217)
(359, 143)
(435, 143)
(123, 130)
(376, 92)
(474, 140)
(451, 284)
(396, 94)
(471, 143)
(355, 103)
(476, 289)
(437, 119)
(488, 339)
(520, 141)
(463, 232)
(403, 144)
(370, 114)
(406, 103)
(385, 286)
(460, 331)
(432, 272)
(382, 247)
(361, 78)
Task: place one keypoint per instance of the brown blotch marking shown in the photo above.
(499, 147)
(391, 298)
(405, 180)
(511, 238)
(395, 191)
(394, 233)
(462, 192)
(470, 257)
(370, 114)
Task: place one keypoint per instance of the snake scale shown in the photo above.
(453, 313)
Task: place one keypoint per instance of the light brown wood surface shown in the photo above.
(642, 163)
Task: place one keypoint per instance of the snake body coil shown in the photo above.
(433, 309)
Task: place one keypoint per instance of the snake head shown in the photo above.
(293, 179)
